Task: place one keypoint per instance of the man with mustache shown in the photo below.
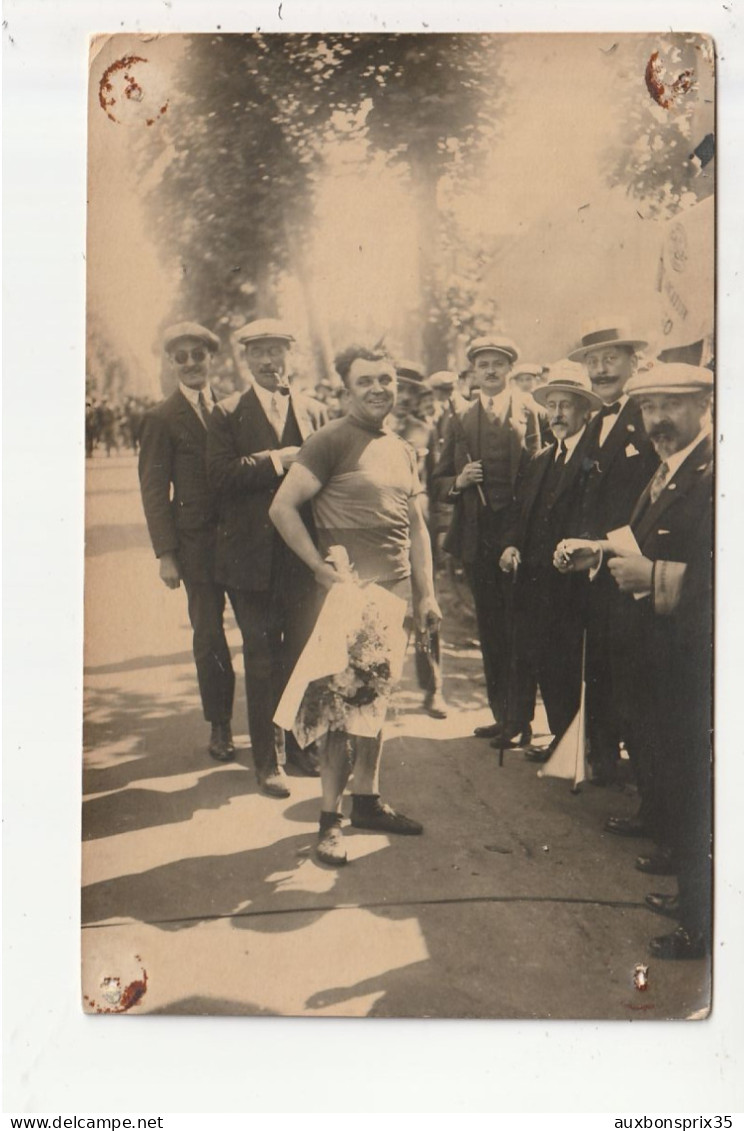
(183, 529)
(663, 620)
(621, 460)
(549, 608)
(254, 438)
(366, 496)
(486, 450)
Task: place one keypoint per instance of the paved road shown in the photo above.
(201, 896)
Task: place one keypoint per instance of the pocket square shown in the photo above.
(662, 531)
(631, 450)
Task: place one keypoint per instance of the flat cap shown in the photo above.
(442, 379)
(409, 369)
(263, 328)
(670, 377)
(567, 377)
(493, 342)
(190, 330)
(529, 367)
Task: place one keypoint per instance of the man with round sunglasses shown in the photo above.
(181, 516)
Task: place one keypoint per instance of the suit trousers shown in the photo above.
(509, 687)
(549, 641)
(275, 624)
(214, 670)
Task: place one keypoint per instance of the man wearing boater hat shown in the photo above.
(664, 622)
(622, 460)
(181, 515)
(254, 437)
(485, 451)
(549, 607)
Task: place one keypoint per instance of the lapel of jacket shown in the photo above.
(573, 467)
(301, 415)
(188, 418)
(516, 423)
(471, 427)
(697, 462)
(252, 416)
(542, 463)
(622, 433)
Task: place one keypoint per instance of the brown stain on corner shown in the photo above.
(666, 95)
(130, 996)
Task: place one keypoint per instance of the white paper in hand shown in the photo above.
(623, 542)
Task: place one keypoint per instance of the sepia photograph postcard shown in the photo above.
(399, 477)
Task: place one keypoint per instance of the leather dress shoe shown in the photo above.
(490, 731)
(305, 761)
(626, 826)
(659, 863)
(221, 746)
(663, 904)
(382, 818)
(435, 706)
(274, 784)
(540, 754)
(680, 944)
(516, 735)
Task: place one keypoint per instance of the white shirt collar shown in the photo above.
(675, 462)
(571, 442)
(499, 404)
(192, 395)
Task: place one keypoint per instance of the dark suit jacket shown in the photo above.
(241, 472)
(462, 444)
(671, 652)
(617, 474)
(179, 506)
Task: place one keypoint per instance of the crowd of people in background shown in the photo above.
(575, 497)
(114, 425)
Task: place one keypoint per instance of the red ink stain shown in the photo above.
(105, 87)
(130, 996)
(131, 91)
(664, 92)
(640, 1008)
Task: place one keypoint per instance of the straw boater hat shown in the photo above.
(567, 377)
(670, 377)
(263, 328)
(190, 330)
(596, 335)
(492, 342)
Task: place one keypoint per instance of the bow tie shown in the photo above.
(609, 410)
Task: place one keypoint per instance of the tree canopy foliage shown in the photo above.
(248, 133)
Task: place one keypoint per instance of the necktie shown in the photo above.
(204, 408)
(560, 461)
(489, 409)
(658, 482)
(275, 416)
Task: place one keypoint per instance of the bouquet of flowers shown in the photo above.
(350, 664)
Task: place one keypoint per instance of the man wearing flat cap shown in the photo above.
(485, 452)
(181, 515)
(622, 459)
(663, 622)
(254, 437)
(549, 606)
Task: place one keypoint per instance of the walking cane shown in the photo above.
(511, 676)
(458, 424)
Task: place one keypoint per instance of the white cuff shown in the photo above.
(595, 569)
(277, 462)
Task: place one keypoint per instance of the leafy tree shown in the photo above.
(248, 132)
